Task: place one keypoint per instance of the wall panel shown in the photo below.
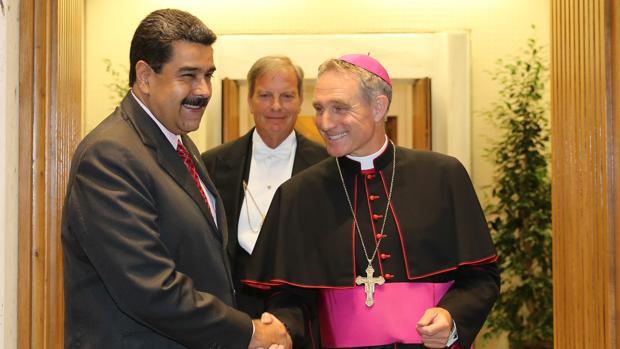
(584, 173)
(50, 113)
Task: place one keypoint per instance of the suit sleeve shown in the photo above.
(114, 219)
(476, 285)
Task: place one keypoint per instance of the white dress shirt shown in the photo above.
(269, 168)
(174, 139)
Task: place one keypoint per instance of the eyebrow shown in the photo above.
(332, 101)
(194, 69)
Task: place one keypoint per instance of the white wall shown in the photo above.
(405, 56)
(9, 46)
(497, 29)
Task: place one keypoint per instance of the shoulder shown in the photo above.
(428, 160)
(310, 147)
(312, 177)
(238, 146)
(112, 148)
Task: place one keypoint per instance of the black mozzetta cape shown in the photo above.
(435, 232)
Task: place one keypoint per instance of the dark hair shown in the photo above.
(152, 41)
(272, 63)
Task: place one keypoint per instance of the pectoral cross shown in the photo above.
(369, 284)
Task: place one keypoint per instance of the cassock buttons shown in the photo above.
(380, 236)
(385, 256)
(377, 216)
(370, 176)
(373, 197)
(388, 276)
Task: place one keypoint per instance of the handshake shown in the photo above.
(270, 333)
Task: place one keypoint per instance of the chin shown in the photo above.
(336, 152)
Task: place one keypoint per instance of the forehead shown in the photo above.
(278, 76)
(191, 55)
(336, 86)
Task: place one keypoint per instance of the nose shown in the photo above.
(323, 121)
(203, 88)
(276, 105)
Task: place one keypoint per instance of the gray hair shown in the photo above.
(271, 63)
(370, 84)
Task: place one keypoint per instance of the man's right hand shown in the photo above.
(270, 333)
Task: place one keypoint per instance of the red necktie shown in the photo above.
(187, 160)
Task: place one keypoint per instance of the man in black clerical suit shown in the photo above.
(393, 241)
(248, 171)
(143, 229)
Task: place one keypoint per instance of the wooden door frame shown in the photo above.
(50, 92)
(585, 93)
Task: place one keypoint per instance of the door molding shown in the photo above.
(50, 94)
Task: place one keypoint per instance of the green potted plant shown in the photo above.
(519, 209)
(119, 86)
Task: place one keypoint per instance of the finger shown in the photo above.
(427, 331)
(267, 318)
(433, 329)
(289, 342)
(435, 342)
(427, 318)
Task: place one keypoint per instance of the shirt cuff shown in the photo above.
(453, 337)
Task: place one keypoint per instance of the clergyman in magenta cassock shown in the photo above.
(390, 243)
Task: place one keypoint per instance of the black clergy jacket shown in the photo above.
(435, 232)
(229, 165)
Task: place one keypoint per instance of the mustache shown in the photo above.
(196, 101)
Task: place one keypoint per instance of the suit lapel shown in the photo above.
(206, 180)
(230, 176)
(233, 170)
(302, 159)
(166, 155)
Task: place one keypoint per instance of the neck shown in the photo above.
(367, 161)
(272, 140)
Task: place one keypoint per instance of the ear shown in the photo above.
(301, 103)
(144, 74)
(250, 105)
(379, 108)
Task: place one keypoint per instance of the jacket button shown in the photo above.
(373, 197)
(377, 216)
(388, 276)
(385, 256)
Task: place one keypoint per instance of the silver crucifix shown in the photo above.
(369, 284)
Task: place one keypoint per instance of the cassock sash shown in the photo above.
(347, 322)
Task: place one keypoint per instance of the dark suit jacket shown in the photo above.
(145, 265)
(229, 164)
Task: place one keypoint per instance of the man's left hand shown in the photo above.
(434, 327)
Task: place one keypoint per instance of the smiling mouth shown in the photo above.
(193, 107)
(335, 137)
(195, 103)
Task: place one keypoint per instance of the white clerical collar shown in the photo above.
(285, 147)
(171, 137)
(367, 162)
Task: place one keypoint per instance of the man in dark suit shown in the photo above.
(143, 228)
(247, 171)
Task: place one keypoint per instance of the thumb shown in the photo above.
(427, 318)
